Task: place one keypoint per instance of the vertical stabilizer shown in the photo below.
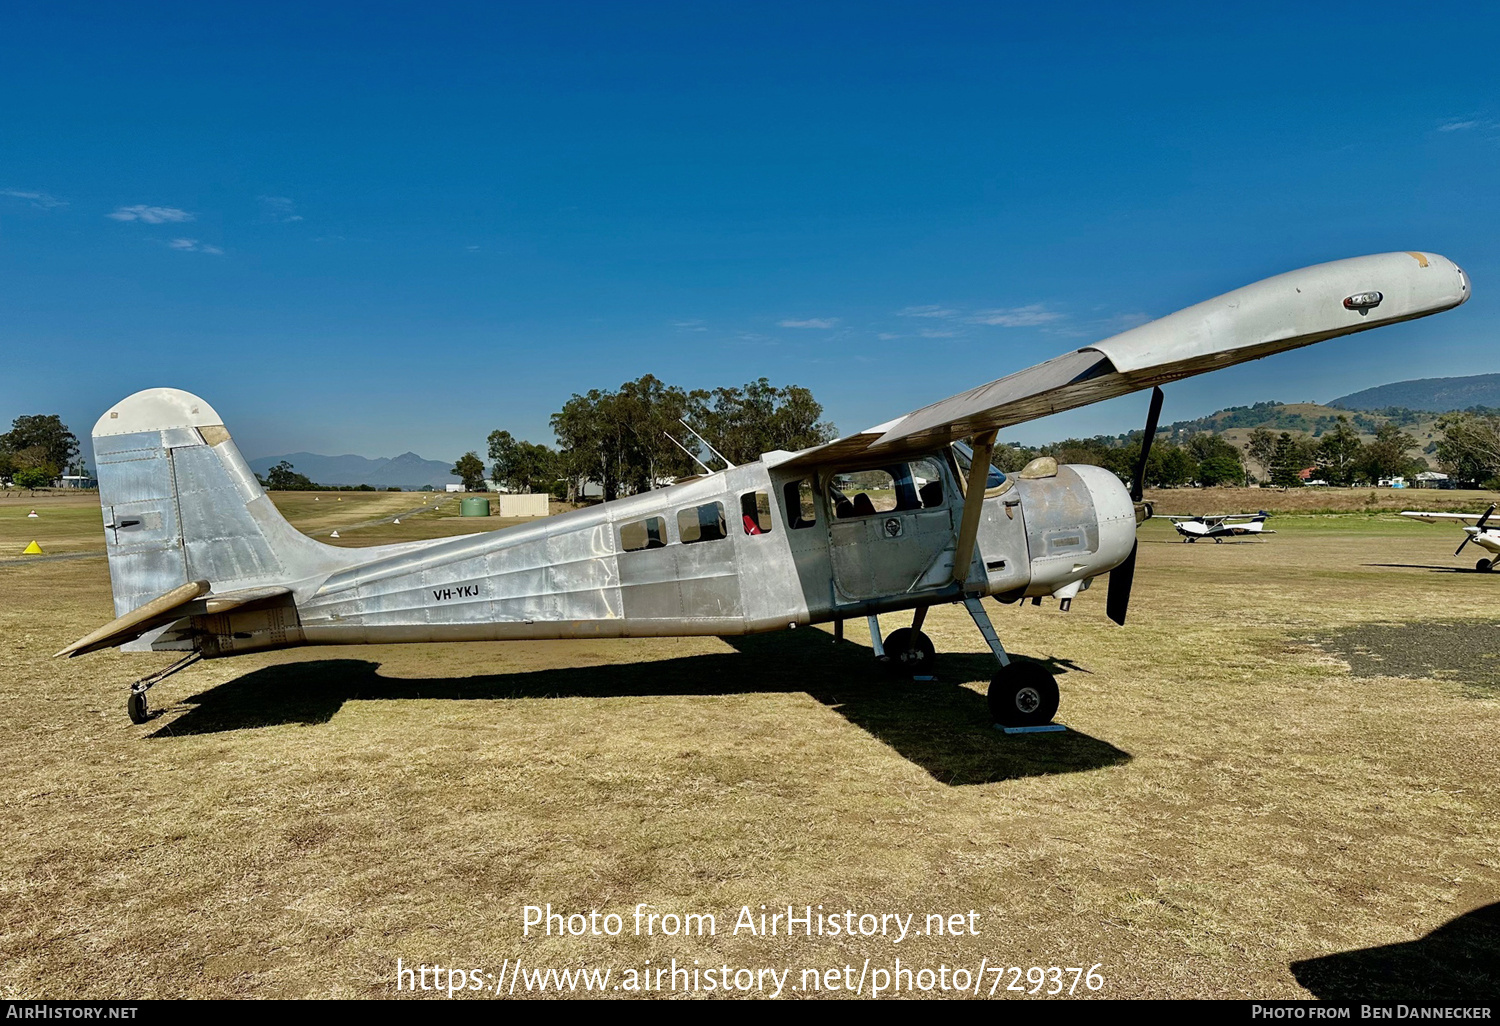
(180, 504)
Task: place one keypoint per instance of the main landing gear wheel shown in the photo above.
(137, 707)
(911, 653)
(1023, 695)
(1483, 565)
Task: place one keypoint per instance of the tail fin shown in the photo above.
(180, 504)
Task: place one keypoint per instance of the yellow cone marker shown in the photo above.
(32, 550)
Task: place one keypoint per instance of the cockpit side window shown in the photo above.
(863, 493)
(897, 488)
(963, 456)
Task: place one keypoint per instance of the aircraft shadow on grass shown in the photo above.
(1430, 566)
(939, 725)
(1459, 961)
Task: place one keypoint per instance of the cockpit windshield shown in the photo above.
(965, 457)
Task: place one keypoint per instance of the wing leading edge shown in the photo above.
(1288, 311)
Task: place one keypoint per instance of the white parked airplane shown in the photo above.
(1475, 530)
(1220, 526)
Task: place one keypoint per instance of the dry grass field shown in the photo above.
(1282, 779)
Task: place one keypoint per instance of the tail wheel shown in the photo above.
(1023, 695)
(911, 653)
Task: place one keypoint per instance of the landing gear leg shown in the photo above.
(136, 706)
(1021, 694)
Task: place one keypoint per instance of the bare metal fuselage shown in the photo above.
(201, 560)
(570, 576)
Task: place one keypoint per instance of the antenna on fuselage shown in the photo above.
(689, 451)
(706, 442)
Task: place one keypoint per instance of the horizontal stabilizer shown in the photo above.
(191, 599)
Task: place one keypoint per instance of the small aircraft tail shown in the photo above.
(181, 505)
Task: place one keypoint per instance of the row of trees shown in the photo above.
(1339, 456)
(37, 450)
(1470, 448)
(1206, 459)
(632, 439)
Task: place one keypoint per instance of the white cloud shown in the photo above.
(935, 333)
(150, 215)
(1017, 317)
(690, 325)
(194, 246)
(812, 322)
(1457, 126)
(926, 311)
(886, 336)
(278, 210)
(39, 200)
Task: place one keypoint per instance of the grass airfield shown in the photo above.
(1282, 779)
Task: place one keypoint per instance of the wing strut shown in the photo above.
(979, 476)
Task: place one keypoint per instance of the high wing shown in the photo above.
(1285, 312)
(1439, 518)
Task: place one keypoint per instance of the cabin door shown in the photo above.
(890, 529)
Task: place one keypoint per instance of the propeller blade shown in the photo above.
(1467, 538)
(1487, 514)
(1120, 580)
(1138, 482)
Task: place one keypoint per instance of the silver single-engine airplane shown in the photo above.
(1475, 530)
(900, 516)
(1219, 526)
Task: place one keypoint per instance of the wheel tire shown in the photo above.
(1483, 565)
(138, 708)
(911, 653)
(1023, 695)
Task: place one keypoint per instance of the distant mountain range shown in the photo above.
(1435, 395)
(406, 471)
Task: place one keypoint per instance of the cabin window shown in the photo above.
(927, 481)
(801, 511)
(650, 533)
(755, 512)
(702, 523)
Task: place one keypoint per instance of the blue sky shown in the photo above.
(374, 227)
